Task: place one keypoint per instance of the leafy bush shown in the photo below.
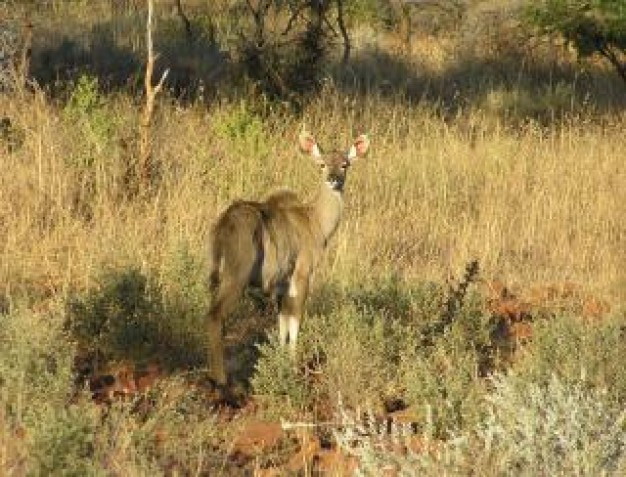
(528, 429)
(183, 285)
(597, 26)
(36, 359)
(394, 300)
(551, 428)
(241, 125)
(86, 109)
(445, 373)
(347, 351)
(96, 160)
(388, 345)
(122, 317)
(278, 382)
(36, 384)
(129, 317)
(50, 426)
(168, 428)
(577, 351)
(63, 441)
(357, 355)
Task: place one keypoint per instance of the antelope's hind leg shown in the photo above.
(224, 301)
(236, 251)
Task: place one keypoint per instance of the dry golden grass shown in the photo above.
(534, 204)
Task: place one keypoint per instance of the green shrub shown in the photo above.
(394, 300)
(36, 359)
(277, 382)
(168, 428)
(95, 158)
(87, 111)
(528, 429)
(345, 352)
(36, 385)
(594, 27)
(63, 432)
(358, 355)
(552, 428)
(391, 343)
(62, 441)
(443, 372)
(546, 428)
(241, 126)
(128, 317)
(119, 319)
(184, 290)
(577, 351)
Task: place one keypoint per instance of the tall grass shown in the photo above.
(533, 204)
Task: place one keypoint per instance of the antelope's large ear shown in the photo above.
(308, 145)
(359, 148)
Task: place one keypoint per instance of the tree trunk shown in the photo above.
(185, 20)
(344, 33)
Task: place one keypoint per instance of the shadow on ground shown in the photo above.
(58, 61)
(511, 84)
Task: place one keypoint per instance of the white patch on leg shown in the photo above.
(293, 290)
(294, 326)
(283, 329)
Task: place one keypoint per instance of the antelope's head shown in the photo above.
(334, 164)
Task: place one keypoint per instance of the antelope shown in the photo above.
(275, 245)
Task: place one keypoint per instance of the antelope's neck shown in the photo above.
(327, 208)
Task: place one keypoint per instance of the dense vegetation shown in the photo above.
(468, 318)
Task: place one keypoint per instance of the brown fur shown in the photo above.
(274, 245)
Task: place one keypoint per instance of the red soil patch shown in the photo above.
(257, 437)
(124, 379)
(516, 311)
(594, 308)
(303, 460)
(336, 462)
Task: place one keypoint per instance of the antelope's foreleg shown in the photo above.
(291, 309)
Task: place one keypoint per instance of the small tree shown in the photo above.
(145, 132)
(591, 26)
(284, 44)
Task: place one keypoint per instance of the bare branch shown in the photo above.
(145, 144)
(159, 85)
(605, 50)
(26, 52)
(294, 17)
(184, 19)
(259, 14)
(329, 25)
(344, 32)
